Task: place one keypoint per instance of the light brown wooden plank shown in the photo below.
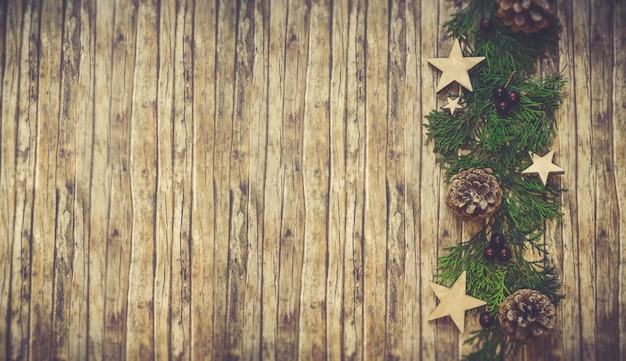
(8, 85)
(353, 347)
(204, 243)
(376, 142)
(65, 179)
(431, 182)
(274, 179)
(619, 148)
(568, 310)
(102, 181)
(292, 209)
(336, 245)
(316, 180)
(606, 215)
(395, 181)
(585, 178)
(413, 131)
(167, 117)
(238, 184)
(258, 134)
(24, 96)
(223, 328)
(140, 333)
(120, 207)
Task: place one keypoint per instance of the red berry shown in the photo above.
(512, 97)
(490, 253)
(500, 93)
(485, 320)
(504, 254)
(502, 108)
(485, 24)
(497, 240)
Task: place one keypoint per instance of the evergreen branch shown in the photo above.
(479, 137)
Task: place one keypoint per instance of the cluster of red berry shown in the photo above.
(505, 99)
(497, 249)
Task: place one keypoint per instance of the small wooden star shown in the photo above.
(454, 302)
(543, 167)
(453, 104)
(455, 67)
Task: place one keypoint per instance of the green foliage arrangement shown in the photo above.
(502, 144)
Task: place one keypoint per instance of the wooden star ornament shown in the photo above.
(453, 104)
(455, 67)
(454, 302)
(543, 167)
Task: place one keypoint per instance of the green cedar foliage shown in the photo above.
(502, 144)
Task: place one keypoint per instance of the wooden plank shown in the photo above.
(101, 184)
(430, 177)
(353, 347)
(292, 216)
(395, 181)
(336, 244)
(140, 333)
(586, 176)
(224, 80)
(376, 142)
(258, 134)
(204, 243)
(120, 207)
(274, 179)
(169, 105)
(24, 115)
(619, 148)
(606, 225)
(568, 310)
(451, 231)
(8, 50)
(316, 183)
(183, 146)
(65, 179)
(412, 329)
(79, 308)
(238, 185)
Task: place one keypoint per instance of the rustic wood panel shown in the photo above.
(204, 179)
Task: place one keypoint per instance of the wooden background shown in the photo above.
(251, 180)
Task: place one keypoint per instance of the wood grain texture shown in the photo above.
(205, 179)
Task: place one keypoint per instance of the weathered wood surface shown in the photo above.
(251, 180)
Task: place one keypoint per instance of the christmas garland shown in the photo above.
(492, 138)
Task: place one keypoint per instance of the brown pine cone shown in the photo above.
(528, 16)
(527, 315)
(474, 194)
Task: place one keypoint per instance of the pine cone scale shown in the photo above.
(528, 16)
(527, 315)
(474, 194)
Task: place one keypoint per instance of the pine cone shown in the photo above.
(474, 194)
(528, 16)
(527, 315)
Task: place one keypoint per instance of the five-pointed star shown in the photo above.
(543, 166)
(453, 104)
(454, 302)
(455, 67)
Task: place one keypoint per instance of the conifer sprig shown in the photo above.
(478, 137)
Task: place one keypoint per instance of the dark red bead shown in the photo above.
(504, 254)
(513, 97)
(500, 93)
(485, 320)
(497, 240)
(502, 108)
(485, 24)
(490, 253)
